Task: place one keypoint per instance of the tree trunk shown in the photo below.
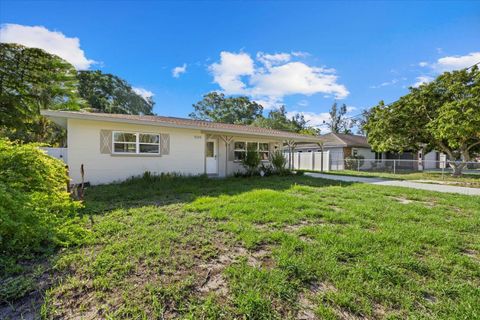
(457, 168)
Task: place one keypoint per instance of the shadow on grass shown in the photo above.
(166, 190)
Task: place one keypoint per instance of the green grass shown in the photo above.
(270, 248)
(466, 180)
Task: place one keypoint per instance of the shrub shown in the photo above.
(251, 161)
(353, 162)
(36, 211)
(279, 162)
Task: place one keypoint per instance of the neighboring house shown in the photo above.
(342, 146)
(114, 147)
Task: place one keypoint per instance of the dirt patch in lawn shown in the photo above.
(306, 299)
(212, 271)
(409, 201)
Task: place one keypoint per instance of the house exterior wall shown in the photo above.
(236, 166)
(186, 155)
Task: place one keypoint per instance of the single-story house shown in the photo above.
(342, 146)
(114, 147)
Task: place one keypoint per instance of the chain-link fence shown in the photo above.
(401, 166)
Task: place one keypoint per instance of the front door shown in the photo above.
(211, 157)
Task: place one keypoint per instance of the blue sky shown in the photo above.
(301, 54)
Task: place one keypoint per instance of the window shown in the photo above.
(210, 149)
(240, 149)
(136, 143)
(378, 156)
(263, 151)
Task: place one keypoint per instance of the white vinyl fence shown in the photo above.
(59, 153)
(315, 161)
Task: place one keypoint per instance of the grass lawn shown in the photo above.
(466, 180)
(268, 248)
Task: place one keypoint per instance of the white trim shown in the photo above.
(137, 143)
(246, 148)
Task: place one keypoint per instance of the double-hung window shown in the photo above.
(240, 149)
(135, 143)
(263, 151)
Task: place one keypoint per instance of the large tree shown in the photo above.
(30, 80)
(278, 119)
(339, 122)
(108, 93)
(443, 115)
(216, 107)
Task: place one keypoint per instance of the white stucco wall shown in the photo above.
(234, 166)
(187, 152)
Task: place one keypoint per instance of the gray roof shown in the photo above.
(338, 140)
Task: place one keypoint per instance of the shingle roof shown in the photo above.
(352, 140)
(183, 123)
(339, 140)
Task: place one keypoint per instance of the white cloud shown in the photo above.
(273, 59)
(53, 42)
(177, 71)
(450, 63)
(273, 77)
(228, 72)
(423, 64)
(421, 80)
(144, 93)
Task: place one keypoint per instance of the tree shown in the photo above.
(216, 107)
(30, 80)
(443, 115)
(361, 121)
(110, 94)
(277, 119)
(338, 122)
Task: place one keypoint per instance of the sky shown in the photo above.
(304, 55)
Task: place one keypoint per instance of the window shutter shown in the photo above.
(231, 155)
(106, 141)
(164, 144)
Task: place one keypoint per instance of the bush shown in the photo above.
(353, 162)
(36, 211)
(251, 162)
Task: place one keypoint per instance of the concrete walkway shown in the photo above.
(399, 183)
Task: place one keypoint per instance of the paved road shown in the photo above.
(399, 183)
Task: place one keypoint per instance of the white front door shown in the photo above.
(211, 157)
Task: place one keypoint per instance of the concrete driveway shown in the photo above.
(399, 183)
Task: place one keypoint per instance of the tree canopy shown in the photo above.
(443, 115)
(338, 122)
(30, 80)
(277, 119)
(110, 94)
(216, 107)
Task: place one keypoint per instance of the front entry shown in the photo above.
(211, 157)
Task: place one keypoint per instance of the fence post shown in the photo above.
(358, 164)
(394, 166)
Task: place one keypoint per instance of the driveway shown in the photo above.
(399, 183)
